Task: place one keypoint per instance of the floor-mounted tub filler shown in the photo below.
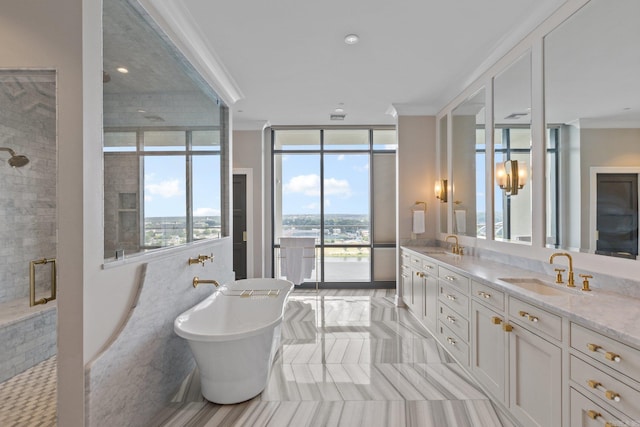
(234, 335)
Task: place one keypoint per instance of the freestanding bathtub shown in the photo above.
(233, 335)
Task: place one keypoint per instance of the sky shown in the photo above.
(346, 184)
(165, 187)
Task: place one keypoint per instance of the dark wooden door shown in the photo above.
(240, 226)
(617, 215)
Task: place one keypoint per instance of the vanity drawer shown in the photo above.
(405, 258)
(458, 280)
(488, 295)
(458, 349)
(458, 324)
(612, 353)
(453, 298)
(430, 267)
(585, 413)
(606, 388)
(416, 262)
(535, 318)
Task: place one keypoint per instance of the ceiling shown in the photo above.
(290, 64)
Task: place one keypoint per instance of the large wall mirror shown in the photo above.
(165, 141)
(468, 164)
(512, 151)
(592, 107)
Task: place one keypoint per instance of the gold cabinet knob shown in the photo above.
(507, 327)
(496, 320)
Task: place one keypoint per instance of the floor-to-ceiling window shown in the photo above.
(338, 186)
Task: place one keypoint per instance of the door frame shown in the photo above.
(248, 173)
(593, 196)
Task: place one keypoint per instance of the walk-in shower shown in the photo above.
(16, 160)
(28, 218)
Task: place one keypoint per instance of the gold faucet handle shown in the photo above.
(585, 281)
(559, 272)
(460, 250)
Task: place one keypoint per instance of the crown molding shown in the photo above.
(176, 21)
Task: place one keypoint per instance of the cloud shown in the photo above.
(309, 185)
(337, 187)
(166, 189)
(363, 168)
(206, 212)
(341, 157)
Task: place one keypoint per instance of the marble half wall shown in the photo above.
(138, 373)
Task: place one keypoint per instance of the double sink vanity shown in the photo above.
(548, 354)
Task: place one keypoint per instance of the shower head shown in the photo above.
(15, 161)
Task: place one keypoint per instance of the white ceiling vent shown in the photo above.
(337, 116)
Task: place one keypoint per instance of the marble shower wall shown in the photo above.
(27, 194)
(145, 363)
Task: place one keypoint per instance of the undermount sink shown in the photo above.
(538, 286)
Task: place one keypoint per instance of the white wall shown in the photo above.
(38, 34)
(416, 174)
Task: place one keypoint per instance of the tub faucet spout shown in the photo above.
(197, 281)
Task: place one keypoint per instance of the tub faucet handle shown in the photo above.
(204, 258)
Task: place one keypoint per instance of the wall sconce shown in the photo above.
(510, 177)
(440, 189)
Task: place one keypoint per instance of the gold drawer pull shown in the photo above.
(528, 316)
(496, 320)
(451, 341)
(429, 267)
(450, 278)
(451, 297)
(483, 294)
(595, 415)
(609, 394)
(451, 319)
(507, 327)
(613, 357)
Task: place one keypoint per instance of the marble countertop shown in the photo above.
(614, 315)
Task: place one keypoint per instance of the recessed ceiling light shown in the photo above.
(339, 110)
(140, 110)
(351, 39)
(122, 70)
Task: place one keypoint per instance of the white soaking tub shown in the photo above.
(233, 335)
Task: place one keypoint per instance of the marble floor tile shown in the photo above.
(349, 358)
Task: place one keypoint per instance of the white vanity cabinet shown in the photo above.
(453, 313)
(604, 377)
(489, 352)
(406, 278)
(535, 368)
(419, 282)
(538, 365)
(416, 302)
(514, 356)
(430, 286)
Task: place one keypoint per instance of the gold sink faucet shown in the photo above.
(570, 281)
(197, 281)
(456, 249)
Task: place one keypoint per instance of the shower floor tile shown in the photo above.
(29, 398)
